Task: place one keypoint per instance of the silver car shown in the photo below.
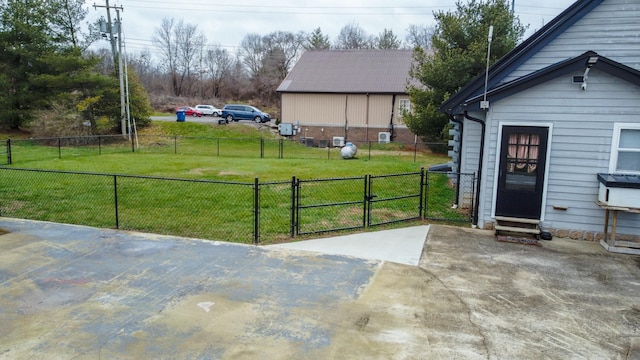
(209, 110)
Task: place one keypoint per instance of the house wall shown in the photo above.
(327, 115)
(612, 29)
(580, 146)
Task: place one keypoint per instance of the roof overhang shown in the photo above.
(589, 59)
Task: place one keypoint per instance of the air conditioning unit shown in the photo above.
(338, 141)
(384, 137)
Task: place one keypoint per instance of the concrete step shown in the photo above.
(517, 220)
(520, 230)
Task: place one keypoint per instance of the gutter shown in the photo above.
(481, 156)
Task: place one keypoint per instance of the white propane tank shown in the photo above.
(348, 151)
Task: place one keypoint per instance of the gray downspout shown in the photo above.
(481, 156)
(459, 159)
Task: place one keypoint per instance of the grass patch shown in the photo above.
(210, 191)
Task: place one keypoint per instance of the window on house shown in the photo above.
(404, 105)
(625, 149)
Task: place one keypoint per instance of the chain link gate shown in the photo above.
(394, 198)
(360, 202)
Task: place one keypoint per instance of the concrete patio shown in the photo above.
(83, 293)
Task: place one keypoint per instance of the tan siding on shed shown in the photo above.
(313, 109)
(329, 110)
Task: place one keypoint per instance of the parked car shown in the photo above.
(189, 111)
(209, 110)
(234, 112)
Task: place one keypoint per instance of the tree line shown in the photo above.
(189, 67)
(51, 82)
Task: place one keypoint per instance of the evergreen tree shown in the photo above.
(388, 40)
(318, 41)
(42, 67)
(459, 54)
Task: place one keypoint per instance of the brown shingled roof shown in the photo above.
(350, 71)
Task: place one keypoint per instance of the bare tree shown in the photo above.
(269, 58)
(218, 64)
(180, 45)
(252, 52)
(288, 46)
(420, 35)
(352, 36)
(190, 43)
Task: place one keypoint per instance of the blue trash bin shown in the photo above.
(181, 116)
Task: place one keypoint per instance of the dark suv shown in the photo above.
(233, 112)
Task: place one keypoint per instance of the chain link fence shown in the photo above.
(233, 211)
(450, 196)
(22, 151)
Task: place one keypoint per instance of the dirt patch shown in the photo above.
(3, 231)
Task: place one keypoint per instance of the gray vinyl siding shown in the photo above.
(580, 145)
(612, 29)
(470, 145)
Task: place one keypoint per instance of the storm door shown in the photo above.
(523, 154)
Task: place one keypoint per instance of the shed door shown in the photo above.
(523, 155)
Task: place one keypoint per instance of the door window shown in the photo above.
(522, 161)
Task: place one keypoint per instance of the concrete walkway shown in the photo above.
(403, 246)
(74, 292)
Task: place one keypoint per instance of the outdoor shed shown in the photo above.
(561, 108)
(352, 95)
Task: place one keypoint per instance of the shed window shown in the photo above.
(625, 149)
(404, 105)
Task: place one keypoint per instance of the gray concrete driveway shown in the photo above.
(71, 292)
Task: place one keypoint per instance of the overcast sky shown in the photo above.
(226, 23)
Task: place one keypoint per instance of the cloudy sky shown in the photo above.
(226, 23)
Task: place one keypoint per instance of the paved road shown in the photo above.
(202, 119)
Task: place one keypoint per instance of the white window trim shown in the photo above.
(615, 140)
(401, 108)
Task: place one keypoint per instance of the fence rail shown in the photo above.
(254, 212)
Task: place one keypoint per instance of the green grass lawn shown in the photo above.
(229, 153)
(211, 194)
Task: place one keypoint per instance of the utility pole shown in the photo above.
(123, 116)
(117, 56)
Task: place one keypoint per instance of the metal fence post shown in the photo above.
(99, 145)
(175, 144)
(426, 195)
(115, 198)
(294, 208)
(9, 160)
(256, 212)
(59, 149)
(422, 194)
(367, 199)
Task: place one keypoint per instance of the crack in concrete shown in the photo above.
(468, 308)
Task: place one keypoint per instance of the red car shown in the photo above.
(189, 111)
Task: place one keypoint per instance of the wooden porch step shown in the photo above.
(517, 220)
(519, 230)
